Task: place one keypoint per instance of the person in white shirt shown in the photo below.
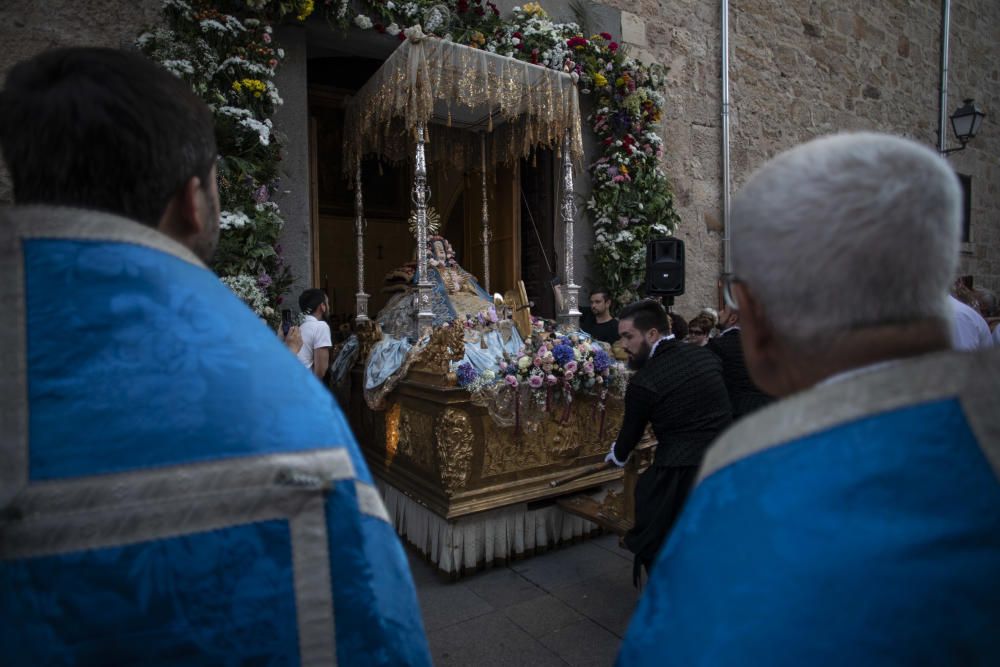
(316, 342)
(969, 330)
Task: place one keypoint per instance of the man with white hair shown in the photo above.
(857, 520)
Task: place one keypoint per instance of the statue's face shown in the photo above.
(438, 251)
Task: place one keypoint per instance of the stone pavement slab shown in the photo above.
(569, 606)
(543, 615)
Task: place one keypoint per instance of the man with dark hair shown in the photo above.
(744, 395)
(602, 326)
(160, 501)
(679, 390)
(316, 339)
(150, 144)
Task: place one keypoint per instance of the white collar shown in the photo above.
(310, 317)
(658, 341)
(735, 327)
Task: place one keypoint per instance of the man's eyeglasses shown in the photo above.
(727, 292)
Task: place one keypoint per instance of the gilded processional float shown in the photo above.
(466, 408)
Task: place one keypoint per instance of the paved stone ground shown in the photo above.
(570, 606)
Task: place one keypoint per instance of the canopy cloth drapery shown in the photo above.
(462, 91)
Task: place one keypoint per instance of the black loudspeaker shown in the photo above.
(665, 267)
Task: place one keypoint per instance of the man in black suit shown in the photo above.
(679, 390)
(744, 395)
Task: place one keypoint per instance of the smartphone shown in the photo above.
(286, 321)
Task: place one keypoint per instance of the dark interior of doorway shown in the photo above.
(538, 258)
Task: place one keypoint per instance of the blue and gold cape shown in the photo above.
(856, 523)
(176, 488)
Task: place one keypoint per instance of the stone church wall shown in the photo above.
(804, 68)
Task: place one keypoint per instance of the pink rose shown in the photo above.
(535, 381)
(571, 367)
(588, 368)
(600, 380)
(511, 381)
(568, 375)
(503, 365)
(538, 362)
(551, 379)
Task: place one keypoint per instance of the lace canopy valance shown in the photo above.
(458, 92)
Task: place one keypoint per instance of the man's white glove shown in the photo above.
(611, 458)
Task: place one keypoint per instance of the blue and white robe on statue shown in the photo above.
(857, 523)
(176, 488)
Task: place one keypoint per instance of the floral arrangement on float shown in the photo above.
(544, 376)
(226, 50)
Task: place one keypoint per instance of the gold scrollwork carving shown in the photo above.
(369, 333)
(454, 448)
(416, 437)
(446, 344)
(549, 440)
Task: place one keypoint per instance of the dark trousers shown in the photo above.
(659, 498)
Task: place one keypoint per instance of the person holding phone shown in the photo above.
(289, 333)
(316, 340)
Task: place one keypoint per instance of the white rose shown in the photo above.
(392, 29)
(363, 21)
(414, 32)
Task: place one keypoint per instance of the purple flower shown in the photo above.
(264, 281)
(588, 368)
(571, 367)
(511, 381)
(602, 361)
(551, 379)
(535, 381)
(261, 194)
(563, 353)
(466, 374)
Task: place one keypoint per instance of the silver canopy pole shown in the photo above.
(571, 291)
(359, 233)
(486, 219)
(425, 315)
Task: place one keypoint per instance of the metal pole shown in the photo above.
(425, 315)
(359, 233)
(943, 108)
(486, 219)
(571, 291)
(727, 232)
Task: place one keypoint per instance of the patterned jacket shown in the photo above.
(680, 392)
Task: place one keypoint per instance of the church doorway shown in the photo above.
(456, 198)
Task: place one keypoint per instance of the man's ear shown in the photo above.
(759, 340)
(184, 218)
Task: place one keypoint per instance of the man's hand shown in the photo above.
(293, 341)
(611, 458)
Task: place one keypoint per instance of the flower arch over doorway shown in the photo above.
(227, 51)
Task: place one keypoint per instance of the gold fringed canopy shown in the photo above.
(462, 91)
